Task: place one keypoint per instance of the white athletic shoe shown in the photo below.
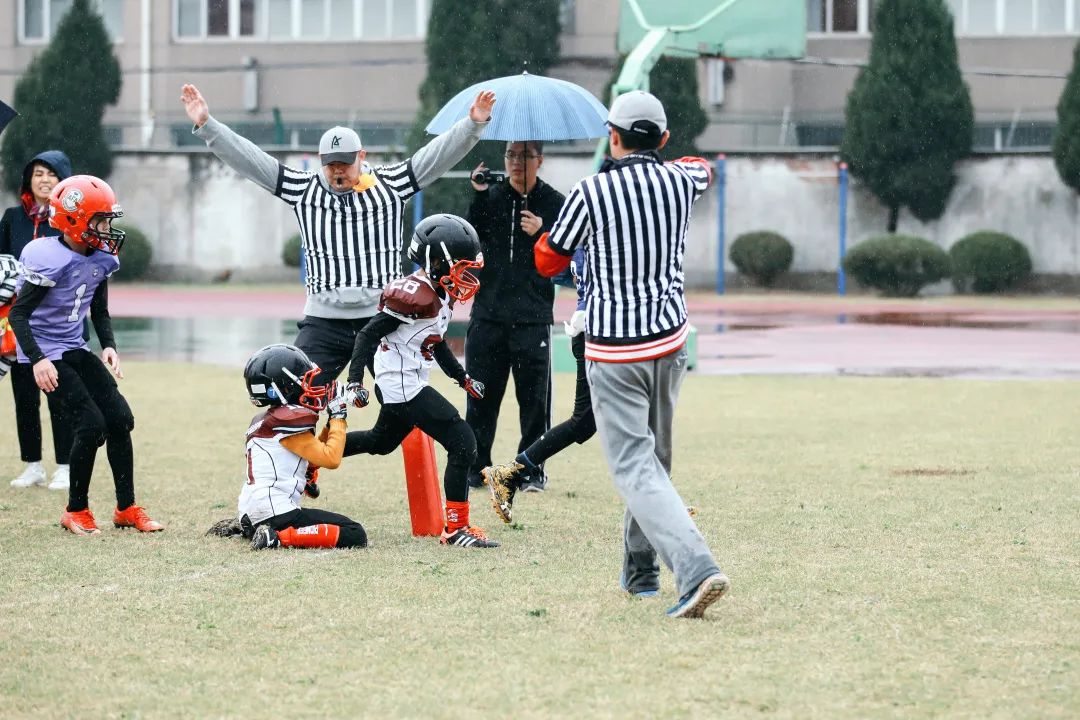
(34, 474)
(61, 479)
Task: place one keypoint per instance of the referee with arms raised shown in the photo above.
(632, 219)
(350, 217)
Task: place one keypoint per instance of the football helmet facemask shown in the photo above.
(448, 249)
(283, 375)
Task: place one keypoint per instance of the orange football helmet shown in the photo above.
(78, 203)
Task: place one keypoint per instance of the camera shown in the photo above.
(487, 177)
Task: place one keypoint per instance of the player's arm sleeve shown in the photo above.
(323, 453)
(449, 364)
(367, 340)
(444, 152)
(99, 316)
(30, 296)
(240, 154)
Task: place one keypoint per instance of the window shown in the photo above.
(299, 19)
(38, 19)
(1015, 17)
(839, 16)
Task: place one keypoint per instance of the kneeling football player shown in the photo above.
(283, 450)
(405, 339)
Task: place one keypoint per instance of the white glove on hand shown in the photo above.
(337, 404)
(576, 326)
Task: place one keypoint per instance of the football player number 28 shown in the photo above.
(406, 284)
(79, 292)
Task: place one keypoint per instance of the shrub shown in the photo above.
(762, 256)
(987, 262)
(897, 265)
(290, 254)
(135, 255)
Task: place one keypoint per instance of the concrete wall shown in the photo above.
(203, 219)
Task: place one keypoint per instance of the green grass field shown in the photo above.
(897, 548)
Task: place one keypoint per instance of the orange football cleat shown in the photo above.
(80, 522)
(137, 518)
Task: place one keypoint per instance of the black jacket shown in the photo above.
(510, 288)
(16, 226)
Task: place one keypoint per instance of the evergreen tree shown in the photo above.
(62, 96)
(468, 42)
(1067, 135)
(674, 83)
(909, 115)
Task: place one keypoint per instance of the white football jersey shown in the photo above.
(275, 475)
(405, 356)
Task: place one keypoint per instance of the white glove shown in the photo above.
(576, 326)
(337, 402)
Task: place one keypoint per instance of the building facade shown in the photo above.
(281, 71)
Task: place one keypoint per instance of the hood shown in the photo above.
(57, 161)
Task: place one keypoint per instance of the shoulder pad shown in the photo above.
(410, 298)
(291, 419)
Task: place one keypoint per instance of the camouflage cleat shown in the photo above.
(502, 481)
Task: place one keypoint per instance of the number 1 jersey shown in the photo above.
(72, 279)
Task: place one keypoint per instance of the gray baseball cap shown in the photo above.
(638, 112)
(339, 145)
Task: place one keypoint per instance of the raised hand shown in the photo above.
(481, 107)
(194, 105)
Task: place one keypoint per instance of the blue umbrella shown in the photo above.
(7, 114)
(530, 107)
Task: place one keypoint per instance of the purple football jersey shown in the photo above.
(72, 279)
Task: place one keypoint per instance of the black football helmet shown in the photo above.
(447, 247)
(282, 375)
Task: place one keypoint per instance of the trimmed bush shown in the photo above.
(897, 265)
(988, 262)
(135, 255)
(762, 256)
(290, 254)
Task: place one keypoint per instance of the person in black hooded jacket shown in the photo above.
(19, 225)
(510, 322)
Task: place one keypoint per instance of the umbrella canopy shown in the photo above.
(7, 114)
(530, 107)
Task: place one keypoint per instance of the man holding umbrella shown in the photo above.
(510, 322)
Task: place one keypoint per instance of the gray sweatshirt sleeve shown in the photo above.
(240, 154)
(444, 152)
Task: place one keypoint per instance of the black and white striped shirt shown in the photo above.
(351, 239)
(9, 274)
(632, 219)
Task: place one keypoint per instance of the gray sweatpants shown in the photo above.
(634, 405)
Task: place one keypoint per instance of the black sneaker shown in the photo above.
(265, 538)
(467, 536)
(534, 483)
(502, 481)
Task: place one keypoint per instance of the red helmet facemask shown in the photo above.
(312, 396)
(459, 282)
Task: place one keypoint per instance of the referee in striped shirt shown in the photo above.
(350, 216)
(631, 218)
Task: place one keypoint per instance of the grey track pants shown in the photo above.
(634, 405)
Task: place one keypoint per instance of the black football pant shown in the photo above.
(494, 350)
(433, 414)
(28, 418)
(350, 532)
(87, 396)
(580, 427)
(329, 344)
